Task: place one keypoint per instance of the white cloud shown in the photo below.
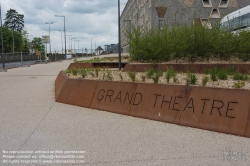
(85, 19)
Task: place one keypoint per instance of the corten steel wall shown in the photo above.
(197, 68)
(221, 110)
(96, 65)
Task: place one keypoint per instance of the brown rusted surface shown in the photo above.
(197, 68)
(114, 97)
(80, 65)
(247, 133)
(97, 65)
(221, 110)
(77, 92)
(60, 80)
(109, 64)
(158, 102)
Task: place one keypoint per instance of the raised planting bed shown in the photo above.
(216, 109)
(97, 65)
(196, 68)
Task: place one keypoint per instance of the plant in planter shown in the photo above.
(120, 75)
(149, 73)
(239, 76)
(170, 73)
(132, 76)
(97, 71)
(74, 71)
(108, 76)
(191, 79)
(143, 77)
(156, 76)
(83, 72)
(239, 84)
(205, 79)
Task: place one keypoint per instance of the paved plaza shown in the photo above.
(31, 120)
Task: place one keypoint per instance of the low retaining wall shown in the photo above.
(197, 68)
(97, 65)
(221, 110)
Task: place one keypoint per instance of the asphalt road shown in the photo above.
(32, 121)
(16, 64)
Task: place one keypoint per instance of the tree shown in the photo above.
(37, 44)
(14, 21)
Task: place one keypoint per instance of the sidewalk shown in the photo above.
(32, 120)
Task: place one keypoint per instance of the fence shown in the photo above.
(24, 56)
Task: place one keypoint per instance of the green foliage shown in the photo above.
(67, 71)
(239, 84)
(222, 74)
(108, 76)
(37, 44)
(94, 60)
(14, 20)
(189, 42)
(132, 76)
(205, 79)
(149, 73)
(191, 78)
(170, 73)
(156, 76)
(97, 71)
(120, 75)
(83, 72)
(143, 77)
(239, 76)
(74, 71)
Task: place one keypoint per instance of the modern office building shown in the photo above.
(151, 14)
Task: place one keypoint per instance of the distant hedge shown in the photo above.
(190, 42)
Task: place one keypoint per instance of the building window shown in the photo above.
(223, 3)
(206, 3)
(215, 13)
(205, 23)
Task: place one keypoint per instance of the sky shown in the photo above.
(85, 20)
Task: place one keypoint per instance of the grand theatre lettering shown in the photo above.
(169, 102)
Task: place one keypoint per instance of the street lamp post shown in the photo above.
(119, 35)
(69, 40)
(30, 42)
(64, 33)
(61, 40)
(71, 43)
(2, 56)
(49, 35)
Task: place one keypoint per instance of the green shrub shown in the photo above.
(67, 71)
(205, 79)
(83, 72)
(143, 77)
(132, 76)
(170, 73)
(191, 78)
(150, 73)
(239, 76)
(222, 74)
(108, 76)
(97, 71)
(239, 84)
(191, 42)
(74, 71)
(156, 76)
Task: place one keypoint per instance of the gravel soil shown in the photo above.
(180, 79)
